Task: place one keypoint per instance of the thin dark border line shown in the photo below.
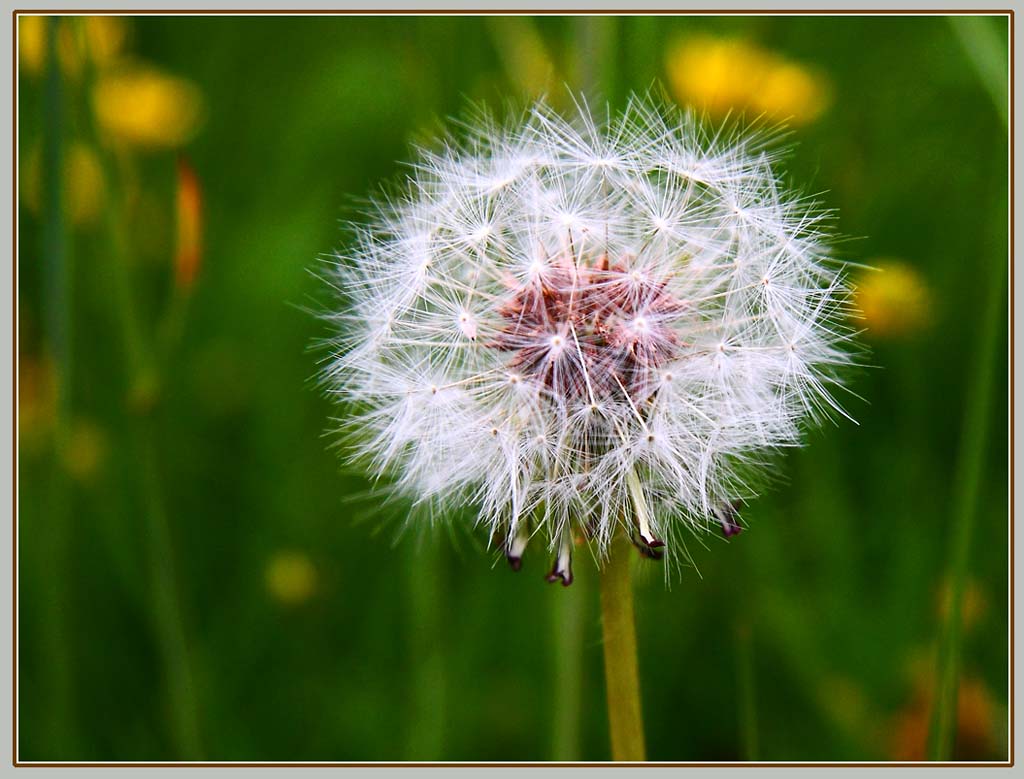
(1010, 12)
(1012, 182)
(14, 393)
(534, 764)
(512, 12)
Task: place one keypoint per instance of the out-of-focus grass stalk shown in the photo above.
(985, 53)
(523, 55)
(988, 56)
(427, 645)
(143, 391)
(167, 605)
(597, 55)
(745, 689)
(54, 536)
(643, 49)
(569, 604)
(967, 485)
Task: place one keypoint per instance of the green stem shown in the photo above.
(986, 55)
(166, 602)
(568, 607)
(597, 55)
(143, 392)
(643, 48)
(167, 611)
(967, 488)
(522, 53)
(426, 645)
(596, 42)
(622, 678)
(55, 527)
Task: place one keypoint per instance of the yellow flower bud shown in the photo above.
(142, 106)
(893, 299)
(721, 75)
(32, 44)
(84, 187)
(290, 578)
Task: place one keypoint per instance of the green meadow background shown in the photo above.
(201, 578)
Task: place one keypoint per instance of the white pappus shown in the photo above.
(582, 327)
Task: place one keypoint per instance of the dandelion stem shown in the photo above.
(568, 613)
(427, 647)
(622, 678)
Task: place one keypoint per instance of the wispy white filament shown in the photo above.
(575, 326)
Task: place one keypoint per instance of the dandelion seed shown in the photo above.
(613, 339)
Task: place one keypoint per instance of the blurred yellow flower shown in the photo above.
(32, 43)
(893, 299)
(290, 578)
(522, 52)
(142, 106)
(83, 183)
(103, 37)
(69, 50)
(721, 75)
(85, 450)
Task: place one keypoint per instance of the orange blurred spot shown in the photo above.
(972, 607)
(976, 719)
(189, 250)
(30, 178)
(37, 400)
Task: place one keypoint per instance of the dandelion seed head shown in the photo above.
(578, 326)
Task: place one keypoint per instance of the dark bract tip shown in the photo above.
(556, 576)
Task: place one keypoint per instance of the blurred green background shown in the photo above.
(200, 579)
